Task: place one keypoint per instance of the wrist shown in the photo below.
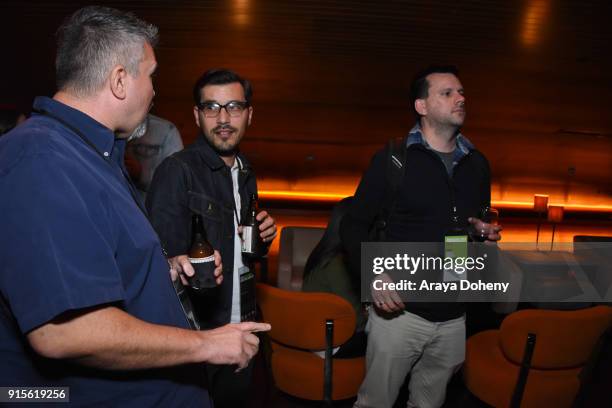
(201, 347)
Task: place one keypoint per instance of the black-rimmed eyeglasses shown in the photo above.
(213, 109)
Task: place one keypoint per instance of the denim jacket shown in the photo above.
(197, 180)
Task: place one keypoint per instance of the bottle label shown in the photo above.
(247, 239)
(202, 260)
(204, 277)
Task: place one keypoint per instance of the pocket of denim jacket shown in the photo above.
(207, 207)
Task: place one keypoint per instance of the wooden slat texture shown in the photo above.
(331, 77)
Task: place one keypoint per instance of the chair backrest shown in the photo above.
(296, 244)
(594, 256)
(298, 318)
(565, 339)
(591, 238)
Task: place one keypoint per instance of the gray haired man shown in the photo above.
(86, 298)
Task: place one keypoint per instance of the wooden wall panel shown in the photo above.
(331, 77)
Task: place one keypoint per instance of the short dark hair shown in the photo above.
(419, 88)
(93, 40)
(221, 76)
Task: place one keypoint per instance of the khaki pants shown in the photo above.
(431, 351)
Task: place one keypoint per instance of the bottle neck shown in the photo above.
(197, 231)
(251, 212)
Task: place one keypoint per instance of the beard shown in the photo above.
(223, 147)
(447, 122)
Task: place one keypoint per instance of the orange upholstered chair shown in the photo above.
(306, 321)
(535, 358)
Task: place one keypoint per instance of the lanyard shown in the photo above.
(236, 214)
(450, 182)
(235, 189)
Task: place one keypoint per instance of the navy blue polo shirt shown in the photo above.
(72, 237)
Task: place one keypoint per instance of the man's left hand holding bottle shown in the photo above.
(180, 266)
(267, 226)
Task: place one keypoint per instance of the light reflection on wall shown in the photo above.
(535, 16)
(240, 12)
(507, 195)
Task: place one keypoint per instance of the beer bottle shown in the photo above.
(252, 244)
(202, 258)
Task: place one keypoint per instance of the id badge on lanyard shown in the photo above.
(455, 246)
(248, 306)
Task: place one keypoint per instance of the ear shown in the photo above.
(250, 116)
(420, 106)
(118, 82)
(196, 116)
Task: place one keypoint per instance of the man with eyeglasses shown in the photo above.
(213, 179)
(86, 300)
(152, 141)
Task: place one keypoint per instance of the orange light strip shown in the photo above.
(301, 195)
(334, 197)
(568, 207)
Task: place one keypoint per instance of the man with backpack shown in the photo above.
(434, 183)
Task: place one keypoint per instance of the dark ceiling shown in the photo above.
(331, 77)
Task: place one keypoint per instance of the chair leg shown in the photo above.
(327, 369)
(521, 381)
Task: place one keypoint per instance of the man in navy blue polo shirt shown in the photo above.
(86, 298)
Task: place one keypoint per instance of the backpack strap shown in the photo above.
(396, 168)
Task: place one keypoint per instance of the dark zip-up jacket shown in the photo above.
(197, 180)
(422, 210)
